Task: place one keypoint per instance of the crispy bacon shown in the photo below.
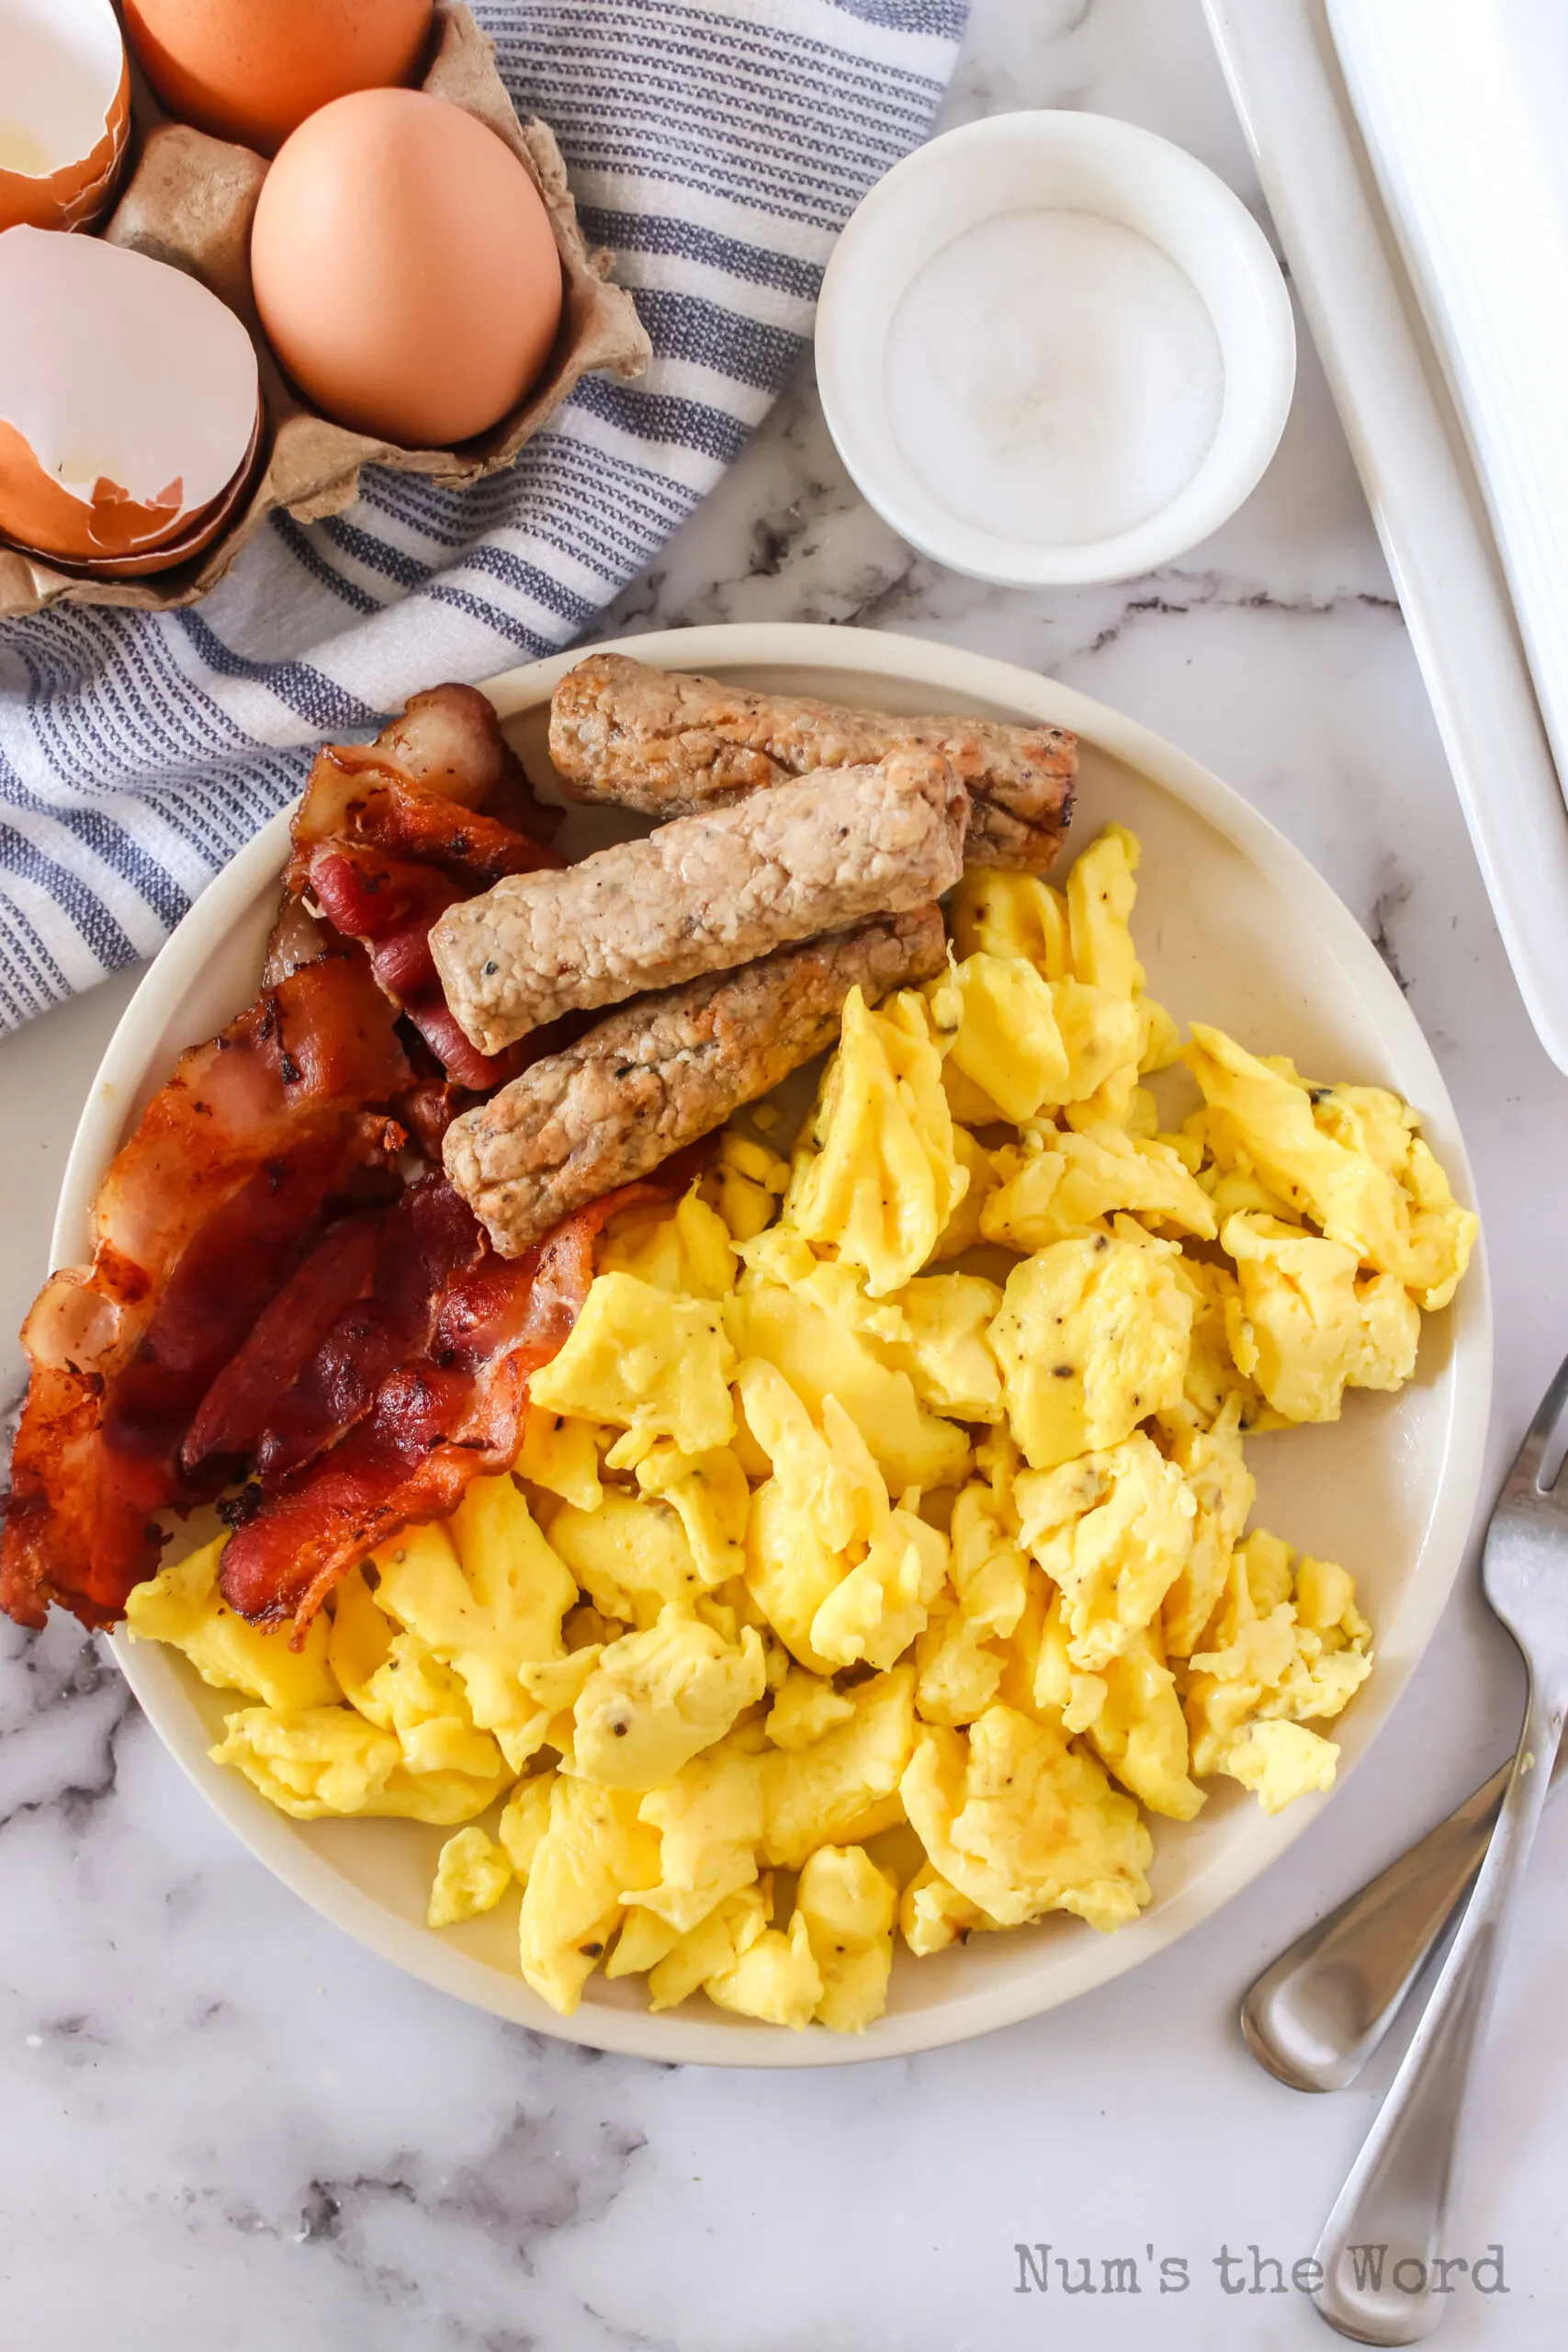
(391, 833)
(222, 1282)
(448, 740)
(357, 794)
(283, 1340)
(259, 1137)
(426, 1239)
(469, 1071)
(450, 1414)
(266, 1298)
(388, 903)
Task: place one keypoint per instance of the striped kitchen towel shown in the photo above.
(717, 147)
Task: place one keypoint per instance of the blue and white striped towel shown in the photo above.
(717, 147)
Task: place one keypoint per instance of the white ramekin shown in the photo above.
(1056, 162)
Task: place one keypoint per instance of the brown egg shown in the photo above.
(252, 69)
(405, 269)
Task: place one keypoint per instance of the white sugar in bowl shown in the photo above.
(1053, 348)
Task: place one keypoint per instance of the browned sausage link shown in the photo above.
(669, 742)
(666, 1071)
(703, 894)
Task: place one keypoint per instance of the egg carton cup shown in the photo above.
(190, 202)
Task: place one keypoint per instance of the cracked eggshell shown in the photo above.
(129, 403)
(64, 111)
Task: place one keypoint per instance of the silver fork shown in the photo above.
(1318, 2012)
(1400, 2190)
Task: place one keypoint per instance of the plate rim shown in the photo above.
(675, 2037)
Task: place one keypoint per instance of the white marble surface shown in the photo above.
(222, 2123)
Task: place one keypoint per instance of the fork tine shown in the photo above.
(1549, 1412)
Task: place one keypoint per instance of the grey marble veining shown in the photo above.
(225, 2126)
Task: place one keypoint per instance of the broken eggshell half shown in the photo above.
(129, 402)
(64, 111)
(195, 532)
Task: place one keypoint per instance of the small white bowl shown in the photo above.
(1056, 162)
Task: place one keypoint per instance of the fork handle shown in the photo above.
(1398, 2195)
(1314, 2018)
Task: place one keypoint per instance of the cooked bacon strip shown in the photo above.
(422, 1242)
(389, 903)
(449, 740)
(223, 1283)
(298, 938)
(452, 1414)
(470, 1071)
(431, 1104)
(260, 1137)
(284, 1338)
(357, 794)
(390, 834)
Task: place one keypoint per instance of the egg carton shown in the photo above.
(190, 202)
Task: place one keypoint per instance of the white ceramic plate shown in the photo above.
(1234, 927)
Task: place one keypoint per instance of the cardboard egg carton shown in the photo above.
(190, 201)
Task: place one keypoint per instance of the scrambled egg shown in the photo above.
(1306, 1323)
(1092, 1337)
(842, 1576)
(689, 1255)
(182, 1605)
(843, 1785)
(848, 1907)
(875, 1175)
(597, 1855)
(653, 1700)
(1346, 1158)
(895, 1486)
(1289, 1647)
(999, 1022)
(644, 1360)
(1069, 1184)
(472, 1873)
(1100, 1023)
(962, 1653)
(1022, 1823)
(1113, 1532)
(822, 1357)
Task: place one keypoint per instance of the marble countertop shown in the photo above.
(224, 2123)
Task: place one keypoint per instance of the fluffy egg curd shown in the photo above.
(877, 1558)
